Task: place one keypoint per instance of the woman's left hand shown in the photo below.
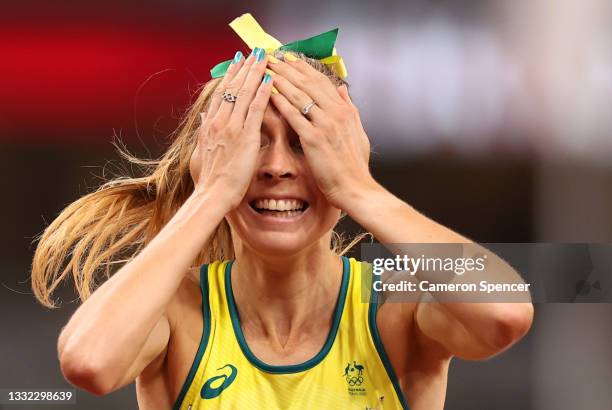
(334, 142)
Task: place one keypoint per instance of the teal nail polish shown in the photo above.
(237, 57)
(254, 51)
(261, 53)
(267, 78)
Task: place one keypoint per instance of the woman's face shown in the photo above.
(283, 209)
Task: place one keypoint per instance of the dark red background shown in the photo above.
(78, 73)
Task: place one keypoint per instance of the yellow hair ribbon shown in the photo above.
(252, 34)
(249, 30)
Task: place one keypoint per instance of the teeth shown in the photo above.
(282, 214)
(279, 204)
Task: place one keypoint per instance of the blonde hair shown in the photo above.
(111, 225)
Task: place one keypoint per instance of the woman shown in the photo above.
(270, 316)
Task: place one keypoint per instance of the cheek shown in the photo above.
(326, 214)
(328, 217)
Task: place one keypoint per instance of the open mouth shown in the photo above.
(280, 208)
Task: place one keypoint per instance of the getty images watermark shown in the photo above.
(488, 273)
(423, 264)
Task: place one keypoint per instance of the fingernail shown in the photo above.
(237, 57)
(273, 59)
(269, 71)
(254, 51)
(261, 53)
(274, 90)
(290, 57)
(267, 78)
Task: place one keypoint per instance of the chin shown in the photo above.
(277, 243)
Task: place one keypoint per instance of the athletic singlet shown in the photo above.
(351, 371)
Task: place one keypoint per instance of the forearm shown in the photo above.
(392, 220)
(402, 229)
(110, 328)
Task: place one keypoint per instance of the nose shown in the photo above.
(277, 161)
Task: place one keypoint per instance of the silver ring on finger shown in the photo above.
(307, 108)
(227, 96)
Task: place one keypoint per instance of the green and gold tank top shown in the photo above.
(351, 371)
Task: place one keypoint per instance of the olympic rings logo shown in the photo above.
(354, 381)
(353, 373)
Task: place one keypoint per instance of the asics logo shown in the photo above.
(210, 392)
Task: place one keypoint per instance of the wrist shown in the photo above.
(219, 193)
(210, 200)
(357, 197)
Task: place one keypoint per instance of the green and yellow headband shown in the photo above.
(320, 47)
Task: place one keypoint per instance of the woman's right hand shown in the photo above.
(124, 328)
(225, 155)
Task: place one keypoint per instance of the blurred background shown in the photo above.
(491, 117)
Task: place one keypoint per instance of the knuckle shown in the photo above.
(257, 105)
(323, 79)
(343, 114)
(243, 93)
(326, 123)
(345, 111)
(232, 86)
(295, 96)
(335, 115)
(215, 127)
(232, 129)
(316, 135)
(260, 92)
(218, 92)
(301, 82)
